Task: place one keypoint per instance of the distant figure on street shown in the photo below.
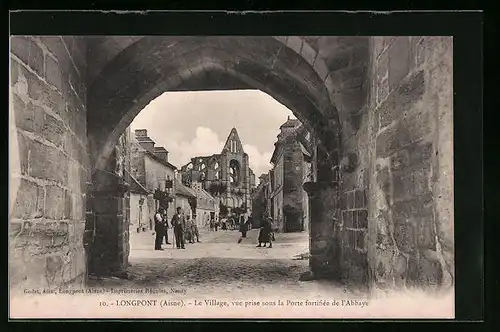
(179, 225)
(165, 219)
(231, 223)
(243, 225)
(159, 230)
(266, 232)
(249, 223)
(189, 230)
(195, 232)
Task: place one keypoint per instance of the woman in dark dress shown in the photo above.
(266, 232)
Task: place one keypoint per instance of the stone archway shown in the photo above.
(287, 68)
(382, 105)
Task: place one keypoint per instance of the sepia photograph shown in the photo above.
(194, 177)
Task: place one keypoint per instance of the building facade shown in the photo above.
(139, 214)
(151, 169)
(207, 206)
(226, 175)
(260, 201)
(184, 197)
(291, 161)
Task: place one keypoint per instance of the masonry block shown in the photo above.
(20, 47)
(360, 244)
(387, 142)
(429, 272)
(56, 47)
(382, 67)
(36, 59)
(363, 219)
(45, 162)
(403, 186)
(411, 91)
(352, 100)
(360, 199)
(400, 160)
(55, 203)
(420, 153)
(53, 73)
(321, 69)
(308, 53)
(338, 60)
(359, 55)
(23, 113)
(350, 200)
(421, 179)
(29, 200)
(51, 129)
(425, 234)
(399, 60)
(295, 43)
(404, 234)
(44, 94)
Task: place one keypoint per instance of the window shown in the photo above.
(234, 146)
(234, 170)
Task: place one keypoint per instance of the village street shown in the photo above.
(219, 265)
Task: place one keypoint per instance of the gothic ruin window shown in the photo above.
(203, 166)
(202, 176)
(234, 172)
(215, 165)
(234, 146)
(217, 175)
(189, 166)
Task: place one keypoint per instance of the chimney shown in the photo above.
(141, 133)
(161, 153)
(142, 137)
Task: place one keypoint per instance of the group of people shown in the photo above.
(185, 229)
(232, 223)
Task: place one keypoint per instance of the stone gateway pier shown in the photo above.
(380, 109)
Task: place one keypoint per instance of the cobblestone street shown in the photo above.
(219, 265)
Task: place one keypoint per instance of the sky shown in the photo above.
(197, 123)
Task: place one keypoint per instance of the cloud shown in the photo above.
(206, 142)
(259, 162)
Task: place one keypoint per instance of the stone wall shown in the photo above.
(49, 164)
(395, 179)
(293, 164)
(410, 135)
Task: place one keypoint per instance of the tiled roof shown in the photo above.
(182, 190)
(136, 187)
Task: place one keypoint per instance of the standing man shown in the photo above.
(195, 232)
(159, 230)
(189, 230)
(165, 218)
(179, 225)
